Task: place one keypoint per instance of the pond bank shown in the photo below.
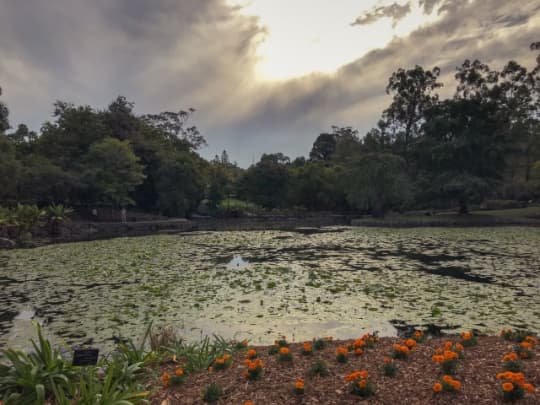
(78, 231)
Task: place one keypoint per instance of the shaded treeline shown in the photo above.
(484, 142)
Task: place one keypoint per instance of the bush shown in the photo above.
(232, 207)
(319, 368)
(212, 392)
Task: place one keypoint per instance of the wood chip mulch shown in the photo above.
(412, 384)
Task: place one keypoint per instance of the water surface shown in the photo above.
(259, 284)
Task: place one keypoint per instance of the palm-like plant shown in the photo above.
(56, 214)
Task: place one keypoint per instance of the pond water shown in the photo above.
(260, 284)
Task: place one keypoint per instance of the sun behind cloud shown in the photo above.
(316, 36)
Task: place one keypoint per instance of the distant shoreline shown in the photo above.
(80, 231)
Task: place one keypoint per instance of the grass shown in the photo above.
(529, 212)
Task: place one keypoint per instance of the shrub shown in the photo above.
(299, 386)
(285, 354)
(448, 361)
(525, 349)
(223, 362)
(342, 355)
(518, 335)
(447, 384)
(212, 392)
(513, 386)
(307, 350)
(319, 344)
(468, 339)
(254, 369)
(319, 368)
(360, 384)
(400, 352)
(389, 367)
(511, 362)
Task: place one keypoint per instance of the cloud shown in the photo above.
(169, 54)
(394, 11)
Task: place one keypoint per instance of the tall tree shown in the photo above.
(464, 148)
(414, 92)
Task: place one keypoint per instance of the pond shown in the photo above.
(261, 284)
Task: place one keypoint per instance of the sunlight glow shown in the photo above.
(308, 36)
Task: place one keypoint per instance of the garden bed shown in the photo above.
(413, 384)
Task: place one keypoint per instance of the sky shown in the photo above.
(264, 76)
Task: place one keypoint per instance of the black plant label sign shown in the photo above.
(85, 357)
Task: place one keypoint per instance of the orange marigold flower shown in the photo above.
(507, 386)
(448, 345)
(220, 360)
(526, 345)
(459, 347)
(510, 357)
(437, 358)
(447, 378)
(341, 350)
(466, 335)
(450, 355)
(437, 387)
(307, 347)
(249, 403)
(530, 339)
(165, 376)
(362, 383)
(418, 333)
(179, 372)
(251, 353)
(456, 384)
(358, 352)
(284, 350)
(410, 343)
(359, 343)
(528, 387)
(299, 385)
(387, 360)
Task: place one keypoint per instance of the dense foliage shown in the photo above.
(483, 143)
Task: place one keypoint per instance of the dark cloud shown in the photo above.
(169, 54)
(394, 11)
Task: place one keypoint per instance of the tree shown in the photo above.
(111, 171)
(413, 93)
(338, 144)
(180, 184)
(476, 81)
(4, 113)
(174, 126)
(315, 186)
(42, 182)
(323, 147)
(377, 182)
(10, 169)
(266, 182)
(65, 140)
(464, 148)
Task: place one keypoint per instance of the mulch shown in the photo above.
(412, 385)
